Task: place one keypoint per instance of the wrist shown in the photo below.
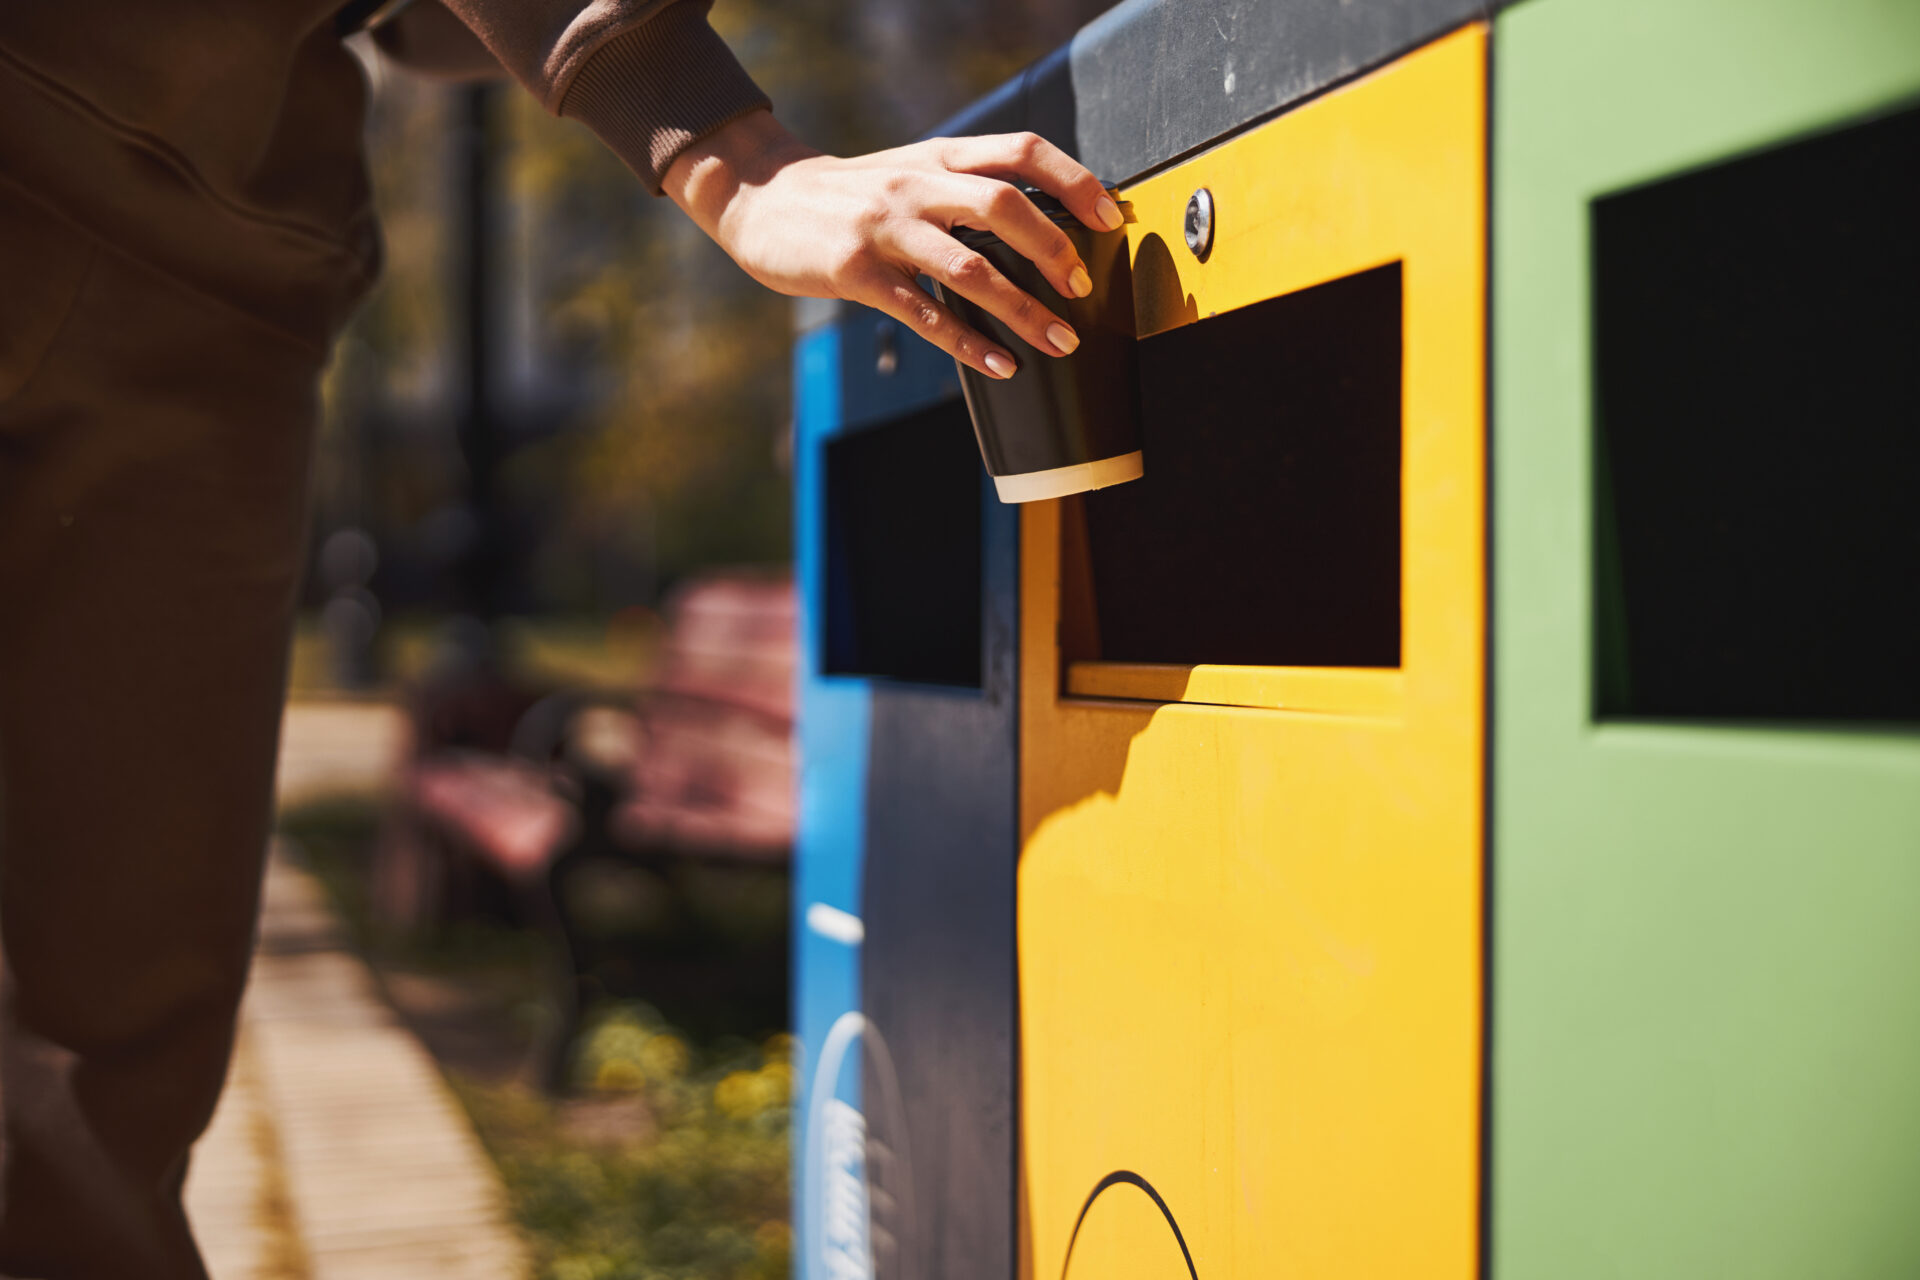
(746, 153)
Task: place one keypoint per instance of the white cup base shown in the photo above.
(1058, 482)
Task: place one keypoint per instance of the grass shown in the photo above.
(669, 1163)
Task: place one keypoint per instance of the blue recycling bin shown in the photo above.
(904, 1153)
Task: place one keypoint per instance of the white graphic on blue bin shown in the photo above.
(857, 1207)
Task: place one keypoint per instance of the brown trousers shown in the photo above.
(153, 457)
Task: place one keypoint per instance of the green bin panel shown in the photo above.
(1706, 950)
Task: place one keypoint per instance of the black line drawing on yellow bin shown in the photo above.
(1125, 1178)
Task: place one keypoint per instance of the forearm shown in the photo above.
(652, 79)
(865, 228)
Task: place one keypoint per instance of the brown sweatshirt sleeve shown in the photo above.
(650, 77)
(428, 39)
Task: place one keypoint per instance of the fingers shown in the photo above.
(962, 199)
(1029, 158)
(994, 206)
(897, 294)
(924, 247)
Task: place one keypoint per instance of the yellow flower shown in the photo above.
(664, 1057)
(619, 1075)
(736, 1094)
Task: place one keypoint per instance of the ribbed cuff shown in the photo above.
(655, 90)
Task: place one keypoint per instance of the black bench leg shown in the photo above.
(570, 970)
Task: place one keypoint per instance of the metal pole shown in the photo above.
(484, 568)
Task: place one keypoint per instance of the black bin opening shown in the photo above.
(1266, 530)
(1757, 401)
(903, 540)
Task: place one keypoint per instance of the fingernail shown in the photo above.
(1079, 283)
(1000, 366)
(1108, 212)
(1064, 340)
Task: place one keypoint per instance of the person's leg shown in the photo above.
(153, 462)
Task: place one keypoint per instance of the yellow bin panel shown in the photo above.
(1250, 899)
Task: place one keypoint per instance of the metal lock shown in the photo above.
(1199, 226)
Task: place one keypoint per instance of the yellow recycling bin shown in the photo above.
(1252, 723)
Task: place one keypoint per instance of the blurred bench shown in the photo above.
(698, 765)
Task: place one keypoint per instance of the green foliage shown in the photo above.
(678, 459)
(696, 1192)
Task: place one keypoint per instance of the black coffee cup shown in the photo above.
(1062, 424)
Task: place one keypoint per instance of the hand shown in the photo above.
(865, 228)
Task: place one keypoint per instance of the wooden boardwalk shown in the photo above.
(338, 1153)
